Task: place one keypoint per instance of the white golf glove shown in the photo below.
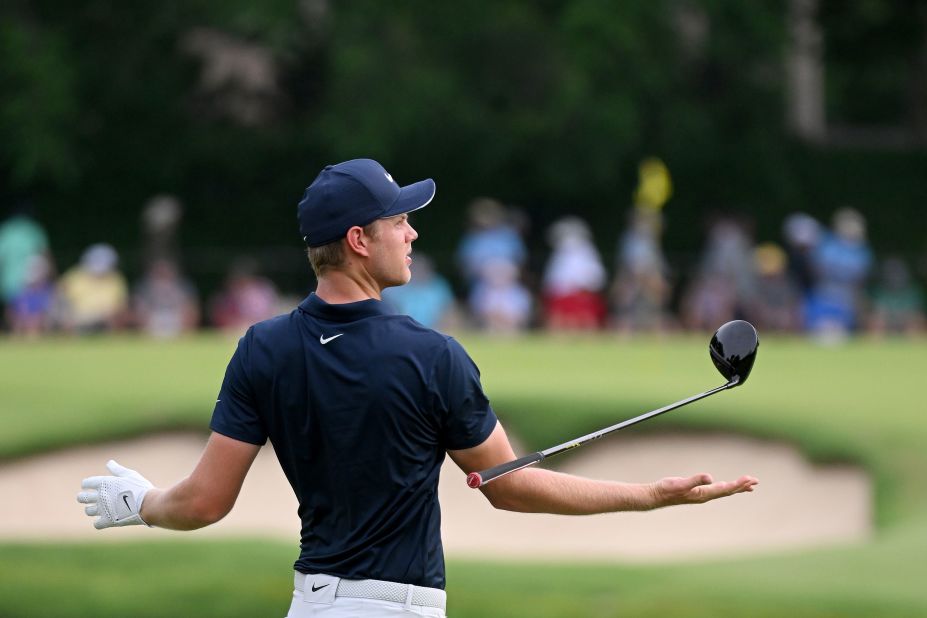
(116, 499)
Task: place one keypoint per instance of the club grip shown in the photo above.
(478, 479)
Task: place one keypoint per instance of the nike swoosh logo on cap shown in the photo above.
(323, 339)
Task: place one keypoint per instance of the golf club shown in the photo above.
(733, 351)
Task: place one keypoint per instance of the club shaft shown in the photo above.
(478, 479)
(556, 450)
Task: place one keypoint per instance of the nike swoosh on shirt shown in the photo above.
(323, 339)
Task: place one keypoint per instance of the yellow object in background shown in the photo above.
(769, 259)
(654, 187)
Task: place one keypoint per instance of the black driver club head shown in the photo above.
(733, 350)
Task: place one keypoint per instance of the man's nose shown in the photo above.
(412, 233)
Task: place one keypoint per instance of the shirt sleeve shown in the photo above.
(236, 413)
(466, 418)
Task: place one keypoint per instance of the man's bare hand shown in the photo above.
(697, 489)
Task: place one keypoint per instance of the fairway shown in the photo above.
(849, 403)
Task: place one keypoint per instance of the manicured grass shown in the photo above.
(859, 402)
(178, 578)
(61, 392)
(191, 577)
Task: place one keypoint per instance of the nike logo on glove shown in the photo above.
(323, 339)
(314, 589)
(123, 513)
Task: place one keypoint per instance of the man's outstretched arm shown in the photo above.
(202, 498)
(536, 490)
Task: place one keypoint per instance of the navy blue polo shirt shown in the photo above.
(360, 406)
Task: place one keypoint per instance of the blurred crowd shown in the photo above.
(819, 279)
(94, 296)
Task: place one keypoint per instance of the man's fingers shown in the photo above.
(696, 481)
(720, 490)
(705, 493)
(93, 510)
(701, 488)
(88, 497)
(102, 523)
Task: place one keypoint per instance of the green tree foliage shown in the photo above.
(549, 105)
(878, 69)
(39, 108)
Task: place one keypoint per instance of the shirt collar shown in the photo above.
(344, 312)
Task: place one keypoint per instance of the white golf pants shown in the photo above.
(315, 595)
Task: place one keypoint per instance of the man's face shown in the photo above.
(389, 251)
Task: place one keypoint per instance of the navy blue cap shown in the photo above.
(355, 192)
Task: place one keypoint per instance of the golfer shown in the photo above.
(361, 406)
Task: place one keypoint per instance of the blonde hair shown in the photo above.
(331, 256)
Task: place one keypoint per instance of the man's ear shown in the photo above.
(357, 241)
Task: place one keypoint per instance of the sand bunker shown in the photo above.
(795, 505)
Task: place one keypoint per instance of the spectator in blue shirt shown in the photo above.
(21, 238)
(841, 264)
(427, 298)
